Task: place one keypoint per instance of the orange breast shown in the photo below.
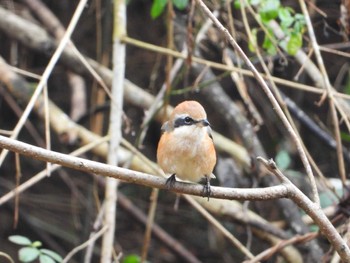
(189, 159)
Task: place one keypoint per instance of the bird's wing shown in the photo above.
(209, 133)
(165, 127)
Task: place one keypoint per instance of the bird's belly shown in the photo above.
(190, 157)
(187, 165)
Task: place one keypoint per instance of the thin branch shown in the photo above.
(36, 38)
(85, 244)
(54, 27)
(149, 224)
(115, 127)
(158, 232)
(212, 64)
(136, 177)
(47, 72)
(269, 94)
(18, 111)
(341, 165)
(220, 227)
(284, 108)
(6, 256)
(313, 210)
(266, 254)
(41, 175)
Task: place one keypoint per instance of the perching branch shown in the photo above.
(136, 177)
(285, 190)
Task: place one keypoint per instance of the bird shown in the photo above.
(186, 149)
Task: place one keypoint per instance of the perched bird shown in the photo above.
(186, 146)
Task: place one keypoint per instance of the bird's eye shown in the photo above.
(188, 120)
(183, 121)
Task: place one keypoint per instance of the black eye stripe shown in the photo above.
(183, 121)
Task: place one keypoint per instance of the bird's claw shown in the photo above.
(207, 189)
(170, 181)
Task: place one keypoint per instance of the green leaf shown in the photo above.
(253, 42)
(132, 259)
(37, 244)
(327, 199)
(314, 228)
(28, 254)
(269, 10)
(255, 2)
(284, 14)
(20, 240)
(46, 259)
(237, 4)
(300, 17)
(294, 44)
(52, 254)
(180, 4)
(299, 26)
(345, 136)
(283, 160)
(158, 8)
(269, 46)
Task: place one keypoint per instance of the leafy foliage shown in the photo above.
(133, 258)
(159, 5)
(291, 23)
(31, 251)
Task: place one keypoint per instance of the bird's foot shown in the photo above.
(170, 181)
(206, 188)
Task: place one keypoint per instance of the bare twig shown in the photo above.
(219, 226)
(47, 72)
(6, 256)
(115, 127)
(245, 72)
(313, 210)
(41, 175)
(54, 26)
(332, 103)
(260, 227)
(283, 106)
(269, 94)
(85, 244)
(149, 224)
(34, 37)
(280, 245)
(158, 232)
(18, 111)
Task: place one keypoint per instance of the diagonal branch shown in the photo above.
(47, 72)
(313, 210)
(270, 96)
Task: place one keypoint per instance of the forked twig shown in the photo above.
(312, 209)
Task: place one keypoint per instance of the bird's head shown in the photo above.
(187, 114)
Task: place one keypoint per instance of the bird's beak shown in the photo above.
(204, 122)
